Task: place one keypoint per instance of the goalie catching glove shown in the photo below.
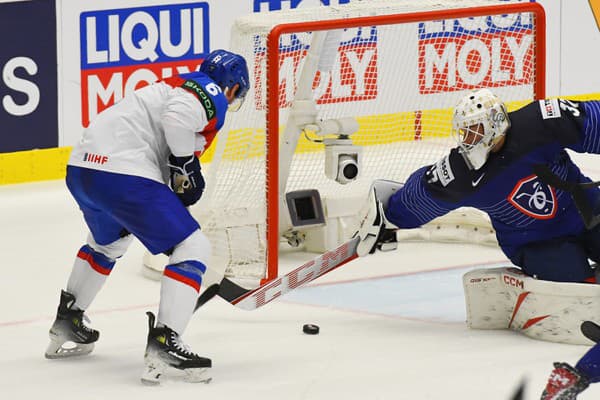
(186, 178)
(375, 231)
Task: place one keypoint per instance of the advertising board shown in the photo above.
(28, 83)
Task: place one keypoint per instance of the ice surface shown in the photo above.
(392, 325)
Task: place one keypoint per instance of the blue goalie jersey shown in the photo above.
(521, 207)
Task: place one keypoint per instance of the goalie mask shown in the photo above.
(480, 121)
(228, 69)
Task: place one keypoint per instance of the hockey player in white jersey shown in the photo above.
(539, 227)
(133, 173)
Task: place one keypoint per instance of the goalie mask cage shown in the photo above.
(394, 69)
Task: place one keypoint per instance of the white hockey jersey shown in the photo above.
(179, 115)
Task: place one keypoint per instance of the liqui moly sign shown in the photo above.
(124, 49)
(352, 75)
(466, 53)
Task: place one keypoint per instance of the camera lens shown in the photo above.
(348, 168)
(350, 171)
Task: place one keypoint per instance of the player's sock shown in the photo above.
(165, 350)
(89, 273)
(69, 336)
(179, 290)
(565, 383)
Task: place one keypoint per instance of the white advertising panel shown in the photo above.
(109, 47)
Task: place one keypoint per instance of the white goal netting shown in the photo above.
(394, 67)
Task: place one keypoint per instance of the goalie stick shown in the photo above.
(250, 299)
(577, 191)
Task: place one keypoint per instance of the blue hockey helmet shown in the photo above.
(228, 69)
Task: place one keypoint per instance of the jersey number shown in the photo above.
(571, 106)
(213, 89)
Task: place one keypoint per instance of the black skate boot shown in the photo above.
(166, 350)
(69, 336)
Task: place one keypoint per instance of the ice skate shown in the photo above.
(69, 336)
(166, 351)
(565, 383)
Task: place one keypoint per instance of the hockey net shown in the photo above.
(392, 71)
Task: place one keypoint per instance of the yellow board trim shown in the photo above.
(33, 165)
(49, 164)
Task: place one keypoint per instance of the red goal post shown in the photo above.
(386, 82)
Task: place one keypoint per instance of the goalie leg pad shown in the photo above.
(505, 298)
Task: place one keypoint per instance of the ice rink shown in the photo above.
(392, 325)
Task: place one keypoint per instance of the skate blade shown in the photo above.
(156, 371)
(59, 349)
(151, 374)
(197, 375)
(155, 380)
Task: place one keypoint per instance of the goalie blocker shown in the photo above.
(375, 231)
(505, 298)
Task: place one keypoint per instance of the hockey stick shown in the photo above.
(248, 299)
(226, 289)
(577, 191)
(208, 294)
(591, 330)
(520, 392)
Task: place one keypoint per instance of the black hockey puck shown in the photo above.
(310, 329)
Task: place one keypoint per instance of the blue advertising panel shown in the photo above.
(126, 48)
(28, 79)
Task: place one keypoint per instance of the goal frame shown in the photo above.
(272, 90)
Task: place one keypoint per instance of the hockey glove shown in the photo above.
(186, 178)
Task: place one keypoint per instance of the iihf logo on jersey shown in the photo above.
(95, 158)
(534, 198)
